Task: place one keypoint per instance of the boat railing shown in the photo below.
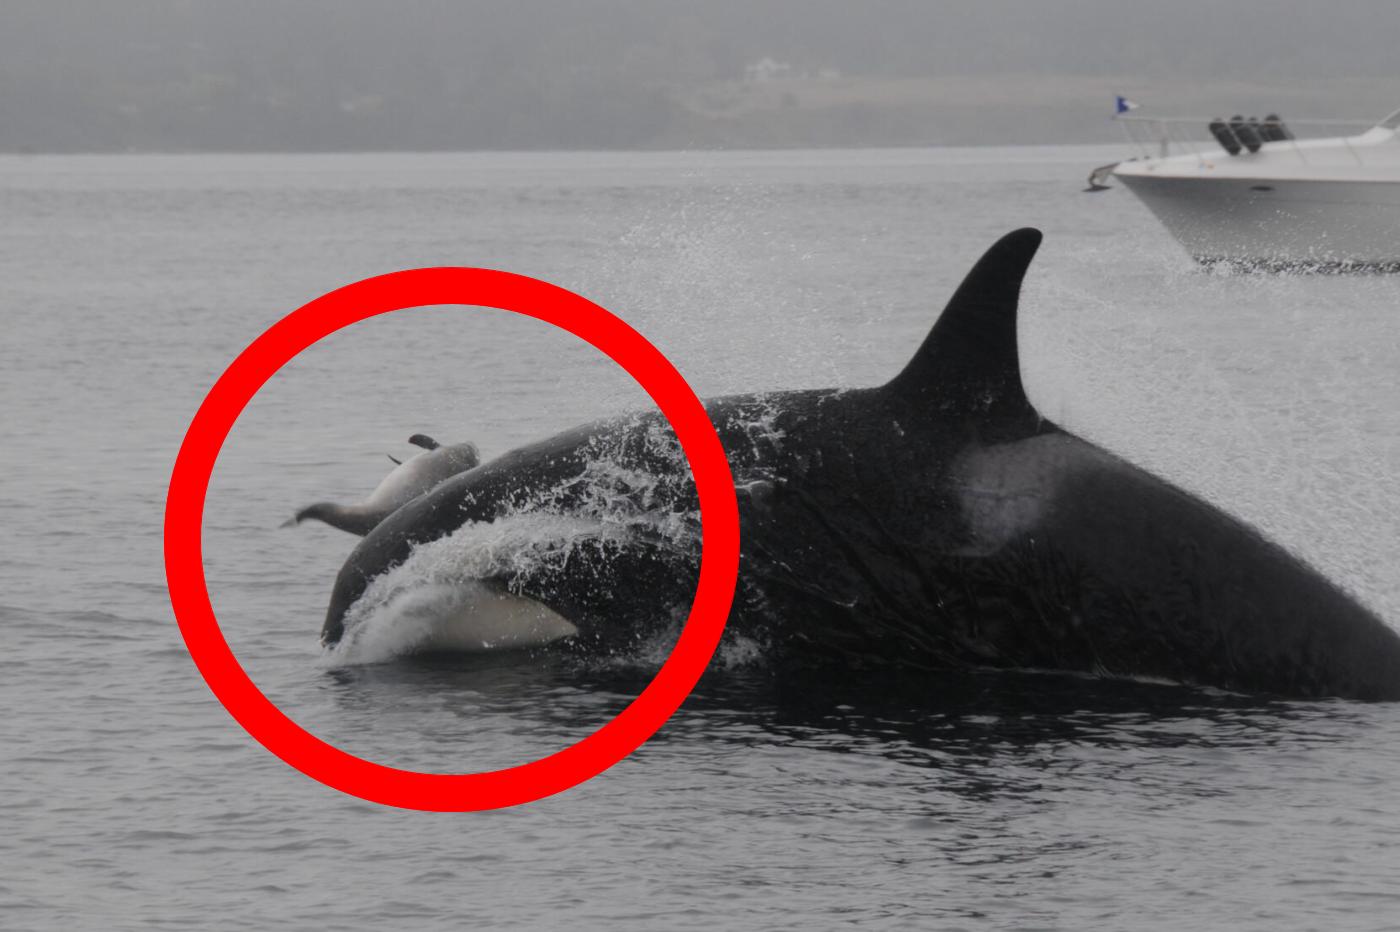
(1160, 137)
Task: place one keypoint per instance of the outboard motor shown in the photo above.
(1221, 131)
(1254, 124)
(1245, 132)
(1273, 129)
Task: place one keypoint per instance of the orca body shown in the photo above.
(936, 522)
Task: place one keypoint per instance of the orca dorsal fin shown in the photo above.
(969, 360)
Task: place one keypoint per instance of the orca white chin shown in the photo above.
(482, 618)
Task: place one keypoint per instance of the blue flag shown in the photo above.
(1123, 105)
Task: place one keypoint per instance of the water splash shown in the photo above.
(634, 486)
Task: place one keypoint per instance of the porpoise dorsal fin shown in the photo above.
(969, 360)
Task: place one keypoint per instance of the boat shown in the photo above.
(1257, 196)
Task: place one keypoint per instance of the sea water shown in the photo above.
(132, 800)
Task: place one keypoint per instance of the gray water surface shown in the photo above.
(132, 800)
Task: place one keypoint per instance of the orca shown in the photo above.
(405, 482)
(937, 522)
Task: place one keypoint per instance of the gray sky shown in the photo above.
(85, 75)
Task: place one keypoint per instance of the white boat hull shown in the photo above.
(1277, 221)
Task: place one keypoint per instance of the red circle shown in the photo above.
(189, 594)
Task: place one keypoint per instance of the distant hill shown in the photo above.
(105, 75)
